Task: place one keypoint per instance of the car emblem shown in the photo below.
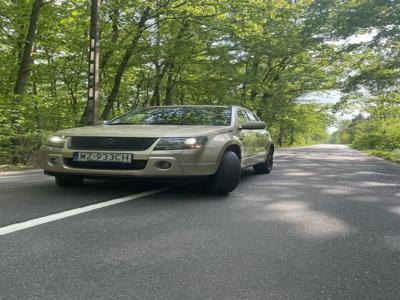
(107, 142)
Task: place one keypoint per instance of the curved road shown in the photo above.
(325, 224)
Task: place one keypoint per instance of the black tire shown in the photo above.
(266, 167)
(227, 177)
(69, 180)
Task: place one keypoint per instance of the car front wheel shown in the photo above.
(69, 180)
(227, 177)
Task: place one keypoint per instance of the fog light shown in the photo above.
(53, 161)
(163, 165)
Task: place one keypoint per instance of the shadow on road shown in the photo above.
(325, 224)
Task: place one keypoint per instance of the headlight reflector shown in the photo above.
(180, 143)
(56, 141)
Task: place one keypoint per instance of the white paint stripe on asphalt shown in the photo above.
(73, 212)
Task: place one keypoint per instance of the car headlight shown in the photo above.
(180, 143)
(56, 141)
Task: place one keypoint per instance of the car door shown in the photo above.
(247, 137)
(261, 137)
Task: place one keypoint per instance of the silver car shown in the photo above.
(171, 141)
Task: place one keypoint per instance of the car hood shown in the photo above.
(145, 131)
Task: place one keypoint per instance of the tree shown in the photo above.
(259, 54)
(124, 63)
(26, 58)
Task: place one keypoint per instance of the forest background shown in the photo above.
(276, 57)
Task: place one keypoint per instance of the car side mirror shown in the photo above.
(252, 125)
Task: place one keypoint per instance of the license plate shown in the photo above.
(103, 157)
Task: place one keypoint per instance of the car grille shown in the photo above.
(134, 165)
(110, 143)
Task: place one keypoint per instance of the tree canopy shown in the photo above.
(372, 73)
(263, 55)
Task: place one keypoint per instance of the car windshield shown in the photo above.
(216, 116)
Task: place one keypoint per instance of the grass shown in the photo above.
(388, 155)
(18, 167)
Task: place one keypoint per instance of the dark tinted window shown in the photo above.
(219, 116)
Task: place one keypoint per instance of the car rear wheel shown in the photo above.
(69, 180)
(227, 178)
(266, 167)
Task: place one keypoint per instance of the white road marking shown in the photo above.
(73, 212)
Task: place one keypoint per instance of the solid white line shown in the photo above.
(73, 212)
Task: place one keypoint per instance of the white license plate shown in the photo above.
(103, 157)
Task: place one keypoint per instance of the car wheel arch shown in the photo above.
(235, 148)
(271, 148)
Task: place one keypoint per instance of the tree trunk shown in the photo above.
(124, 64)
(280, 137)
(253, 94)
(181, 96)
(114, 39)
(170, 86)
(23, 75)
(160, 73)
(155, 98)
(291, 136)
(26, 58)
(36, 104)
(245, 80)
(171, 66)
(254, 74)
(168, 91)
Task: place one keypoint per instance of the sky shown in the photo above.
(328, 97)
(333, 96)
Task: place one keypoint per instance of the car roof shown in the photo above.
(198, 105)
(173, 106)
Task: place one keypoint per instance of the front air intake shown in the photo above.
(110, 143)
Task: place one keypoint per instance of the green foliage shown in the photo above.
(389, 155)
(302, 124)
(379, 135)
(380, 131)
(371, 70)
(260, 54)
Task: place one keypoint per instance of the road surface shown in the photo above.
(325, 224)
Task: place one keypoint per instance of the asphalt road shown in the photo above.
(325, 224)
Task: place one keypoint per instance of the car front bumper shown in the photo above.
(182, 163)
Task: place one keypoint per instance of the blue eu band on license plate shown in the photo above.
(102, 157)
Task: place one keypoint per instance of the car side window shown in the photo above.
(252, 117)
(242, 117)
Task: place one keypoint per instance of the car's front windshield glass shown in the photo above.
(208, 115)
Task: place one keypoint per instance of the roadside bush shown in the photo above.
(21, 149)
(379, 135)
